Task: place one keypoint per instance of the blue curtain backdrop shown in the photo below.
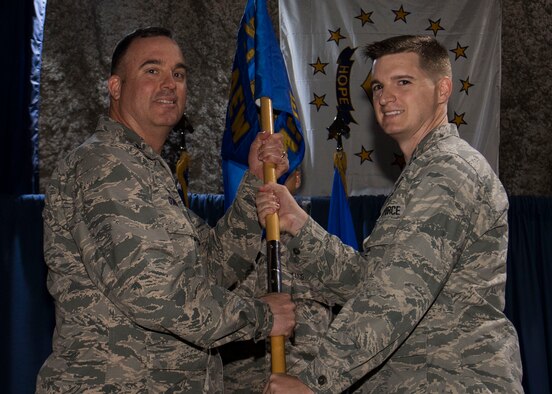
(529, 287)
(21, 25)
(26, 308)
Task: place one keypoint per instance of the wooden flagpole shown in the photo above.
(274, 271)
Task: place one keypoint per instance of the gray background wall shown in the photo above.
(80, 36)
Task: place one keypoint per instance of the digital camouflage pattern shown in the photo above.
(249, 363)
(139, 281)
(423, 305)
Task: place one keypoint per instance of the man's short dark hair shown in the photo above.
(122, 46)
(433, 56)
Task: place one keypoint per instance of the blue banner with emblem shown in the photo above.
(258, 71)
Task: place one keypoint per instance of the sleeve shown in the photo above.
(389, 289)
(251, 285)
(231, 247)
(152, 269)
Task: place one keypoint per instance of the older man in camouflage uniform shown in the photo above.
(140, 282)
(423, 304)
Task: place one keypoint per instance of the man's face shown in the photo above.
(151, 88)
(406, 100)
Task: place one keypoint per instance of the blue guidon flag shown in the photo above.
(340, 220)
(258, 71)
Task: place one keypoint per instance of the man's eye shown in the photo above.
(404, 82)
(375, 88)
(179, 75)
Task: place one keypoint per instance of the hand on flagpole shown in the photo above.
(283, 383)
(268, 148)
(275, 198)
(283, 313)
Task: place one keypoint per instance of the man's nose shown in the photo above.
(168, 81)
(386, 97)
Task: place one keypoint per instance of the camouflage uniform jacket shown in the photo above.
(139, 281)
(423, 305)
(313, 309)
(249, 372)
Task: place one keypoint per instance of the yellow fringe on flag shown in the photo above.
(181, 168)
(340, 162)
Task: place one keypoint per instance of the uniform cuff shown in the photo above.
(264, 321)
(308, 243)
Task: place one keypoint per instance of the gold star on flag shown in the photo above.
(367, 87)
(400, 14)
(319, 67)
(399, 161)
(365, 17)
(458, 119)
(466, 85)
(435, 26)
(364, 155)
(336, 36)
(319, 101)
(459, 51)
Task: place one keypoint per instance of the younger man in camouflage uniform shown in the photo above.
(139, 281)
(423, 304)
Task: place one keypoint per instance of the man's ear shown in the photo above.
(114, 86)
(445, 89)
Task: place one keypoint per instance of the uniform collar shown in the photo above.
(434, 136)
(123, 133)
